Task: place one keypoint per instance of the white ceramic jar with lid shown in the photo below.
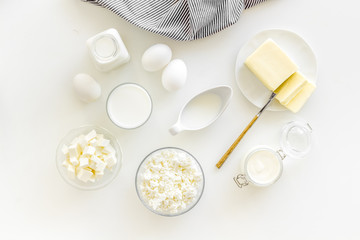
(107, 50)
(263, 166)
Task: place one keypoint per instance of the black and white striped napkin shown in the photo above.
(182, 20)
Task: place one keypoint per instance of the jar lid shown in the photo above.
(296, 139)
(105, 47)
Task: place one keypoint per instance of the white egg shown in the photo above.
(174, 75)
(86, 87)
(156, 57)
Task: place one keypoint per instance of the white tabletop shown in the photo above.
(42, 47)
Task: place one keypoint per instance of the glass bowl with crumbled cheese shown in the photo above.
(89, 157)
(169, 181)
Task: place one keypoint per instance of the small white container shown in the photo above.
(107, 50)
(263, 166)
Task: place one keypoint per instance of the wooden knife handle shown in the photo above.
(233, 146)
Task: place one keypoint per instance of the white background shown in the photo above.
(42, 46)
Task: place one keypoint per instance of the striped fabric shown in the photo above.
(182, 20)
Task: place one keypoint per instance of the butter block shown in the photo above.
(71, 171)
(65, 150)
(74, 161)
(74, 150)
(84, 162)
(110, 160)
(290, 88)
(84, 175)
(89, 151)
(90, 135)
(271, 65)
(299, 100)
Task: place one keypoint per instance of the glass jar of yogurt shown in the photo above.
(263, 165)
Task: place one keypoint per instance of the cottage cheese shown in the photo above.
(87, 157)
(170, 181)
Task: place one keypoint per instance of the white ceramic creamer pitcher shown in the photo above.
(203, 109)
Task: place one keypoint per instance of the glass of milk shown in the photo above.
(129, 106)
(263, 166)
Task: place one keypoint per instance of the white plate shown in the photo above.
(294, 46)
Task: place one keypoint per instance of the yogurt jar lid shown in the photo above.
(295, 139)
(295, 142)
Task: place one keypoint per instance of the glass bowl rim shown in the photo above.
(186, 209)
(115, 144)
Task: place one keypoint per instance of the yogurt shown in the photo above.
(263, 167)
(129, 106)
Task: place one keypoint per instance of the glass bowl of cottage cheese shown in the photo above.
(89, 157)
(169, 181)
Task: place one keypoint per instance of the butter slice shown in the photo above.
(271, 65)
(290, 88)
(299, 100)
